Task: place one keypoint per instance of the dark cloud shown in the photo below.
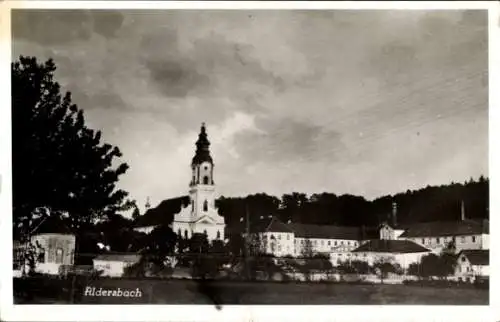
(287, 140)
(53, 27)
(50, 27)
(107, 22)
(105, 100)
(176, 79)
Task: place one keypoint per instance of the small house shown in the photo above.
(114, 264)
(472, 263)
(54, 243)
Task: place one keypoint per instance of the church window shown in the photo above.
(59, 256)
(206, 167)
(205, 232)
(205, 180)
(218, 234)
(205, 205)
(192, 205)
(185, 234)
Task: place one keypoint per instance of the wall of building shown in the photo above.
(464, 269)
(403, 259)
(58, 249)
(111, 268)
(436, 244)
(320, 245)
(278, 243)
(485, 240)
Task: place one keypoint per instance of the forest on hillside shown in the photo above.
(432, 203)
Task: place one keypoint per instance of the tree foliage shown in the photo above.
(434, 265)
(432, 203)
(58, 162)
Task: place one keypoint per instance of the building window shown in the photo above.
(335, 243)
(218, 234)
(179, 232)
(185, 234)
(322, 243)
(423, 241)
(342, 243)
(463, 259)
(473, 239)
(437, 240)
(205, 167)
(59, 256)
(192, 205)
(329, 243)
(205, 232)
(205, 205)
(462, 239)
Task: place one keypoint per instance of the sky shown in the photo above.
(360, 102)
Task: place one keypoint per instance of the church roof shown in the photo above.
(202, 148)
(391, 246)
(447, 228)
(163, 213)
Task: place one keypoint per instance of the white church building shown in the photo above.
(198, 214)
(201, 216)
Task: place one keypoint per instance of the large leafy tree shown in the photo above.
(59, 164)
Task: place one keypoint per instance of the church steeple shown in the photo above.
(202, 164)
(202, 148)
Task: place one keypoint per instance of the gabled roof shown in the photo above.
(391, 246)
(163, 213)
(477, 256)
(129, 258)
(274, 224)
(447, 228)
(326, 231)
(277, 226)
(51, 225)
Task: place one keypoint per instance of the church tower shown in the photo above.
(202, 187)
(201, 216)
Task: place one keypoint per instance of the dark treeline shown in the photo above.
(432, 203)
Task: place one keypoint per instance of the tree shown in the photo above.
(58, 162)
(385, 266)
(198, 243)
(434, 265)
(307, 249)
(136, 214)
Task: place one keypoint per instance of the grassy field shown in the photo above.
(257, 293)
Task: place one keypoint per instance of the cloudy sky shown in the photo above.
(361, 102)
